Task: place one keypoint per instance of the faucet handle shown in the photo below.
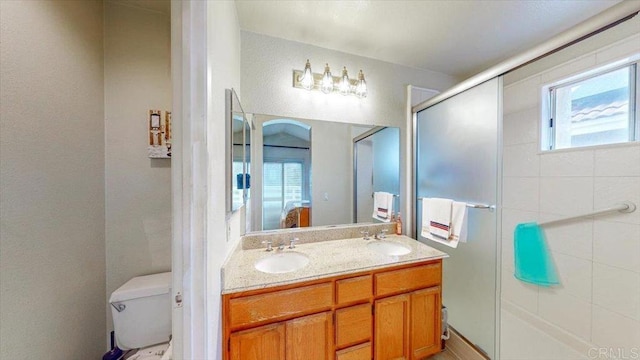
(381, 234)
(365, 234)
(292, 243)
(268, 242)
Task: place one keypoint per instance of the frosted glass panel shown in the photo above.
(457, 148)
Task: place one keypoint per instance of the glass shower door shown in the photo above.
(457, 158)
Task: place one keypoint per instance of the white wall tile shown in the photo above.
(520, 193)
(612, 330)
(570, 238)
(513, 217)
(567, 163)
(611, 190)
(618, 161)
(518, 292)
(566, 311)
(519, 340)
(568, 69)
(619, 50)
(521, 95)
(521, 127)
(575, 275)
(617, 290)
(508, 264)
(521, 160)
(566, 195)
(617, 244)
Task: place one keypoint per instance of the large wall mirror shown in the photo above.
(317, 173)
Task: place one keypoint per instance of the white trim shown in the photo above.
(189, 177)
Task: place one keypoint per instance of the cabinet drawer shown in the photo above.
(353, 289)
(358, 352)
(403, 280)
(353, 325)
(279, 304)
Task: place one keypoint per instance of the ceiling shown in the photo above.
(459, 38)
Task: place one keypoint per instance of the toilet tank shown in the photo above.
(141, 311)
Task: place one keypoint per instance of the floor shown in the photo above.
(445, 355)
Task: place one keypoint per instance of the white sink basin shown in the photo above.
(280, 263)
(388, 248)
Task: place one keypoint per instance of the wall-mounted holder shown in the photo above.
(159, 135)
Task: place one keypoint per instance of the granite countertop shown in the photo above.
(326, 259)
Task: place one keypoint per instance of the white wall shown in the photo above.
(598, 302)
(52, 282)
(223, 58)
(137, 64)
(267, 65)
(331, 173)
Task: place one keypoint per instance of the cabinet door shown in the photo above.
(310, 337)
(353, 325)
(425, 322)
(262, 343)
(391, 334)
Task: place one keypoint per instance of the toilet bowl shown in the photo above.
(141, 311)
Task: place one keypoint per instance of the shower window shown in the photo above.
(594, 108)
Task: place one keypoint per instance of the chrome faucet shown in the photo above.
(292, 243)
(269, 247)
(381, 235)
(365, 235)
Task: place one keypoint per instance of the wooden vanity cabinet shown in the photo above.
(264, 342)
(390, 313)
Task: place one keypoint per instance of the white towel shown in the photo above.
(439, 219)
(382, 206)
(458, 225)
(459, 222)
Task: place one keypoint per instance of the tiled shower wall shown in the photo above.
(598, 259)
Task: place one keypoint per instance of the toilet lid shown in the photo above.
(143, 286)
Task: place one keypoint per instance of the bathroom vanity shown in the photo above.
(355, 299)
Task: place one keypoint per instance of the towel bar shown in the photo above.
(624, 207)
(475, 206)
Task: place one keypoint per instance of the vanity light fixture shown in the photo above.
(327, 80)
(345, 84)
(361, 87)
(327, 83)
(307, 81)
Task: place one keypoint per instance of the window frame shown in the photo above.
(549, 118)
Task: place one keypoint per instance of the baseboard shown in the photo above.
(462, 348)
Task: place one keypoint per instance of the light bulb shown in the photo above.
(345, 85)
(306, 81)
(361, 88)
(327, 81)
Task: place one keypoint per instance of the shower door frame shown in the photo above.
(414, 231)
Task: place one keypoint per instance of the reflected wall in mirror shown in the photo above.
(305, 174)
(376, 169)
(238, 147)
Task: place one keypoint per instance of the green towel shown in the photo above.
(533, 261)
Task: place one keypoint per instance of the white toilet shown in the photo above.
(141, 311)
